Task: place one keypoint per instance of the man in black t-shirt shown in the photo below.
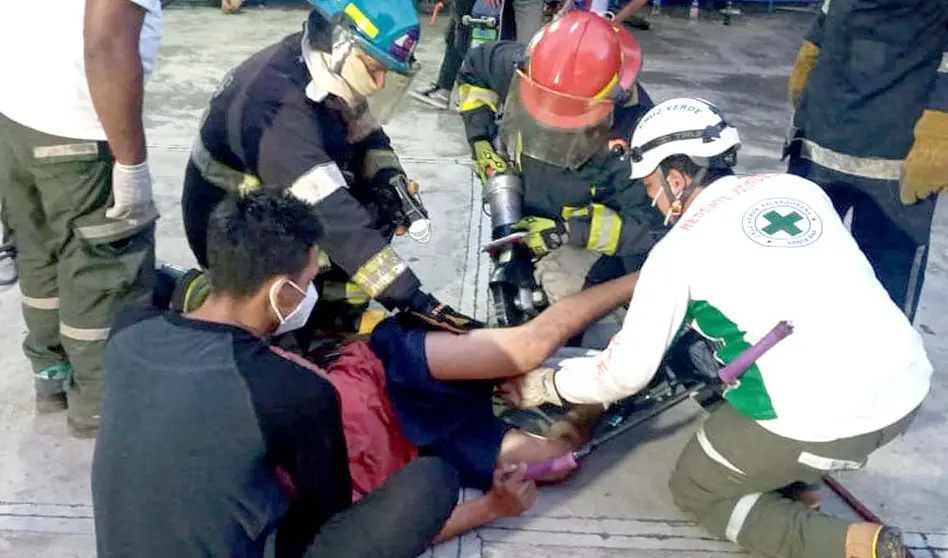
(198, 413)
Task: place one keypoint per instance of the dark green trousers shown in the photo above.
(77, 267)
(729, 474)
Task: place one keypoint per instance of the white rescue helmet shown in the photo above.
(684, 126)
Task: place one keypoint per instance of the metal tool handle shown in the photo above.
(470, 20)
(561, 464)
(419, 226)
(737, 367)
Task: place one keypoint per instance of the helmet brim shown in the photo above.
(560, 111)
(694, 148)
(631, 58)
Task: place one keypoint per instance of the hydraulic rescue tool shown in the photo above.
(515, 295)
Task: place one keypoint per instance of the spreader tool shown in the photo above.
(728, 375)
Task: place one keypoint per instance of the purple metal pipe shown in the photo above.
(734, 369)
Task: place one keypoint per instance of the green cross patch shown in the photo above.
(786, 223)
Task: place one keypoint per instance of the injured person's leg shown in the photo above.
(455, 419)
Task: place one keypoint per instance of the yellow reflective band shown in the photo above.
(361, 21)
(607, 90)
(518, 152)
(370, 319)
(380, 271)
(349, 292)
(324, 263)
(250, 183)
(604, 230)
(570, 212)
(471, 97)
(199, 283)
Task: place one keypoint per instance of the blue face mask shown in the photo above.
(298, 317)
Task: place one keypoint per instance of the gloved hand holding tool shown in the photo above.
(541, 387)
(533, 389)
(411, 211)
(487, 161)
(397, 208)
(431, 311)
(543, 235)
(925, 170)
(132, 193)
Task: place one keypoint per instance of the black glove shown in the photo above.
(383, 204)
(429, 310)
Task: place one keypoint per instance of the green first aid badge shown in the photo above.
(782, 222)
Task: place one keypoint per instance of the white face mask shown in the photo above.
(298, 317)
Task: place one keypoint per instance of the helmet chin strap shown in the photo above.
(675, 200)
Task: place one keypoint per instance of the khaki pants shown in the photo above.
(729, 473)
(563, 273)
(77, 267)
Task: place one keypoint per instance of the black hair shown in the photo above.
(258, 236)
(719, 168)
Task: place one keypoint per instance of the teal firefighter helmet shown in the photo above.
(386, 30)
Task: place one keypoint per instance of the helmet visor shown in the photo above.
(385, 102)
(558, 129)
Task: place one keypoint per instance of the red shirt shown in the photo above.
(376, 446)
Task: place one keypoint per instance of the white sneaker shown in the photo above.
(434, 96)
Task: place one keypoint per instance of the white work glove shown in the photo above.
(131, 190)
(533, 389)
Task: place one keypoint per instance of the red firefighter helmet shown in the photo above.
(577, 66)
(560, 106)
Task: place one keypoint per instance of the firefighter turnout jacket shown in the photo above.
(882, 66)
(606, 211)
(270, 124)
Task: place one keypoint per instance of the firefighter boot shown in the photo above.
(180, 290)
(191, 292)
(871, 540)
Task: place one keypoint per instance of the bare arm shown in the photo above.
(510, 496)
(114, 71)
(496, 353)
(629, 10)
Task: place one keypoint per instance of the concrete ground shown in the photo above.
(618, 505)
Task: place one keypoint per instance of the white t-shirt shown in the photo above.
(42, 73)
(748, 253)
